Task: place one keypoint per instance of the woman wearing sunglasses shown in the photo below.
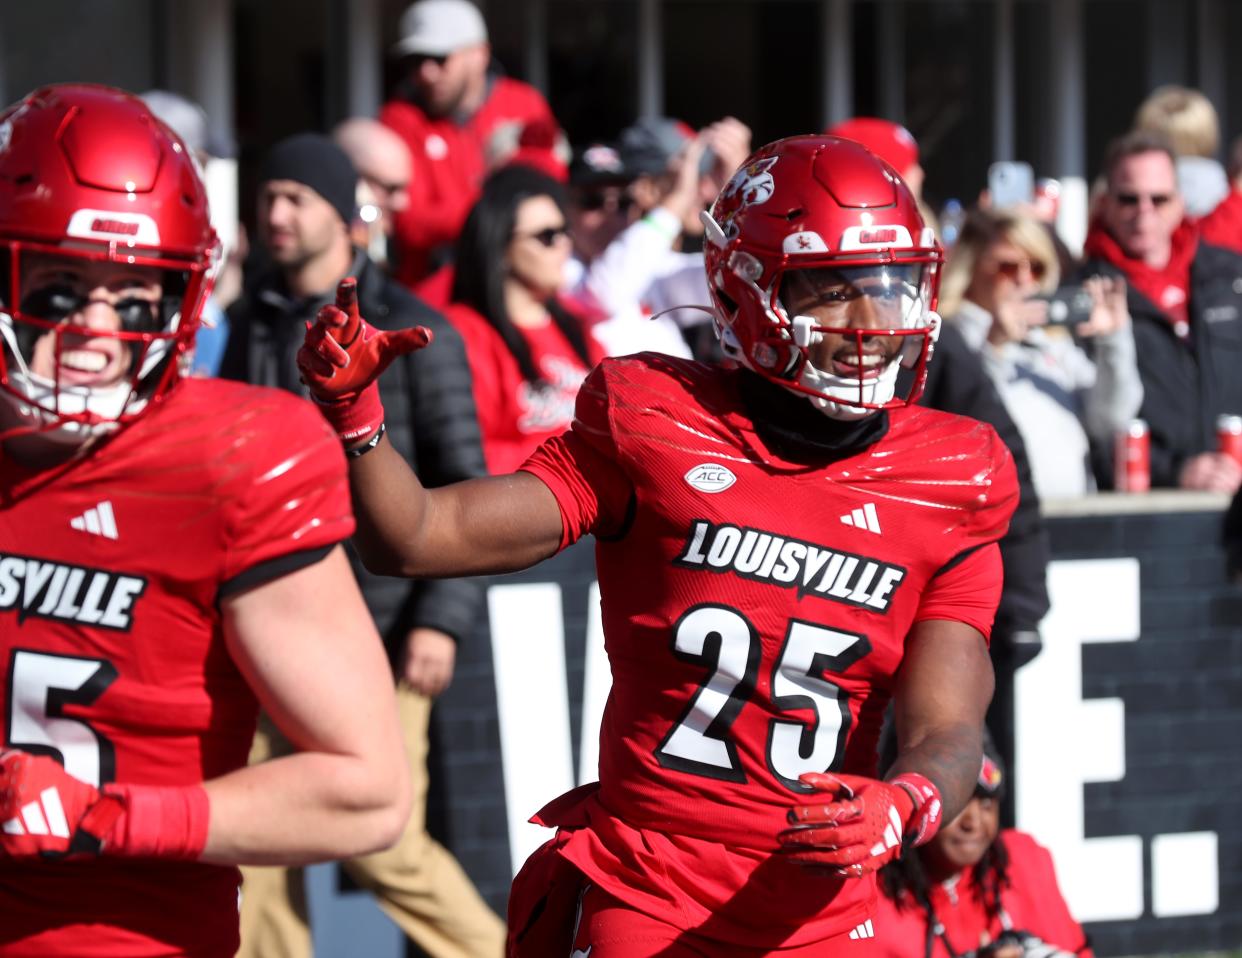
(528, 347)
(1069, 382)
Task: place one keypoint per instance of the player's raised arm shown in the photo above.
(484, 525)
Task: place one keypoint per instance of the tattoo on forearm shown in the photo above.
(951, 760)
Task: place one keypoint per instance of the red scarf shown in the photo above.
(1169, 287)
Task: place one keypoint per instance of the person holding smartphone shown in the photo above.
(1068, 390)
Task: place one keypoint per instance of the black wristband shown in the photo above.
(367, 446)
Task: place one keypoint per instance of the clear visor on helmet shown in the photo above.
(876, 297)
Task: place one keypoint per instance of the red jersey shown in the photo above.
(755, 611)
(450, 157)
(1223, 226)
(111, 645)
(515, 416)
(1031, 901)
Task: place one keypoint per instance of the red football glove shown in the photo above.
(862, 829)
(45, 812)
(342, 357)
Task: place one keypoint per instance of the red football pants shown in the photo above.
(609, 928)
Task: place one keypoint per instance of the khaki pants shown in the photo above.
(417, 883)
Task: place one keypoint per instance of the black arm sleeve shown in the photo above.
(1231, 536)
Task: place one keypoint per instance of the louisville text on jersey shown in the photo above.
(69, 593)
(791, 563)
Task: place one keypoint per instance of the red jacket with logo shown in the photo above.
(450, 160)
(514, 415)
(1223, 226)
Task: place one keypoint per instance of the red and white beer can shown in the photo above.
(1132, 458)
(1229, 437)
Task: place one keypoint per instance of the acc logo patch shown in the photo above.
(710, 477)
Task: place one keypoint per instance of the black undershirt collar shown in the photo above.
(796, 431)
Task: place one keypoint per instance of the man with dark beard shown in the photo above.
(454, 113)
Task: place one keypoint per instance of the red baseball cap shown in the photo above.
(890, 141)
(543, 146)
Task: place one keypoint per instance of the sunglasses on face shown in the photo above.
(1012, 268)
(545, 237)
(593, 202)
(439, 59)
(1134, 199)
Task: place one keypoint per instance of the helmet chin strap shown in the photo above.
(849, 390)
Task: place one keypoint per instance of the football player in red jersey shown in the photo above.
(783, 546)
(170, 559)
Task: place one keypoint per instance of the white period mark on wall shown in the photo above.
(1066, 742)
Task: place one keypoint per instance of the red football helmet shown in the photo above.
(92, 185)
(823, 275)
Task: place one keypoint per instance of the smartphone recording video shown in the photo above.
(1011, 184)
(1068, 305)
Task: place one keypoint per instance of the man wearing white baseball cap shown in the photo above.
(454, 111)
(439, 27)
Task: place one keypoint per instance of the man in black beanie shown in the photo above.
(306, 203)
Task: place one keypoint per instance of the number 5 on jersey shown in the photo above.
(723, 640)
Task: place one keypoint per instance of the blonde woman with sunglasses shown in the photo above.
(1068, 388)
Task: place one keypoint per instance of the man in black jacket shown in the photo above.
(958, 383)
(1185, 299)
(306, 205)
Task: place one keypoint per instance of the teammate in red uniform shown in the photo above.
(169, 560)
(782, 548)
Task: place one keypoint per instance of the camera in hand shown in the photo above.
(1068, 305)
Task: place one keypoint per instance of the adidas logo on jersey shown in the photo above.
(754, 554)
(69, 593)
(865, 930)
(865, 518)
(98, 521)
(44, 817)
